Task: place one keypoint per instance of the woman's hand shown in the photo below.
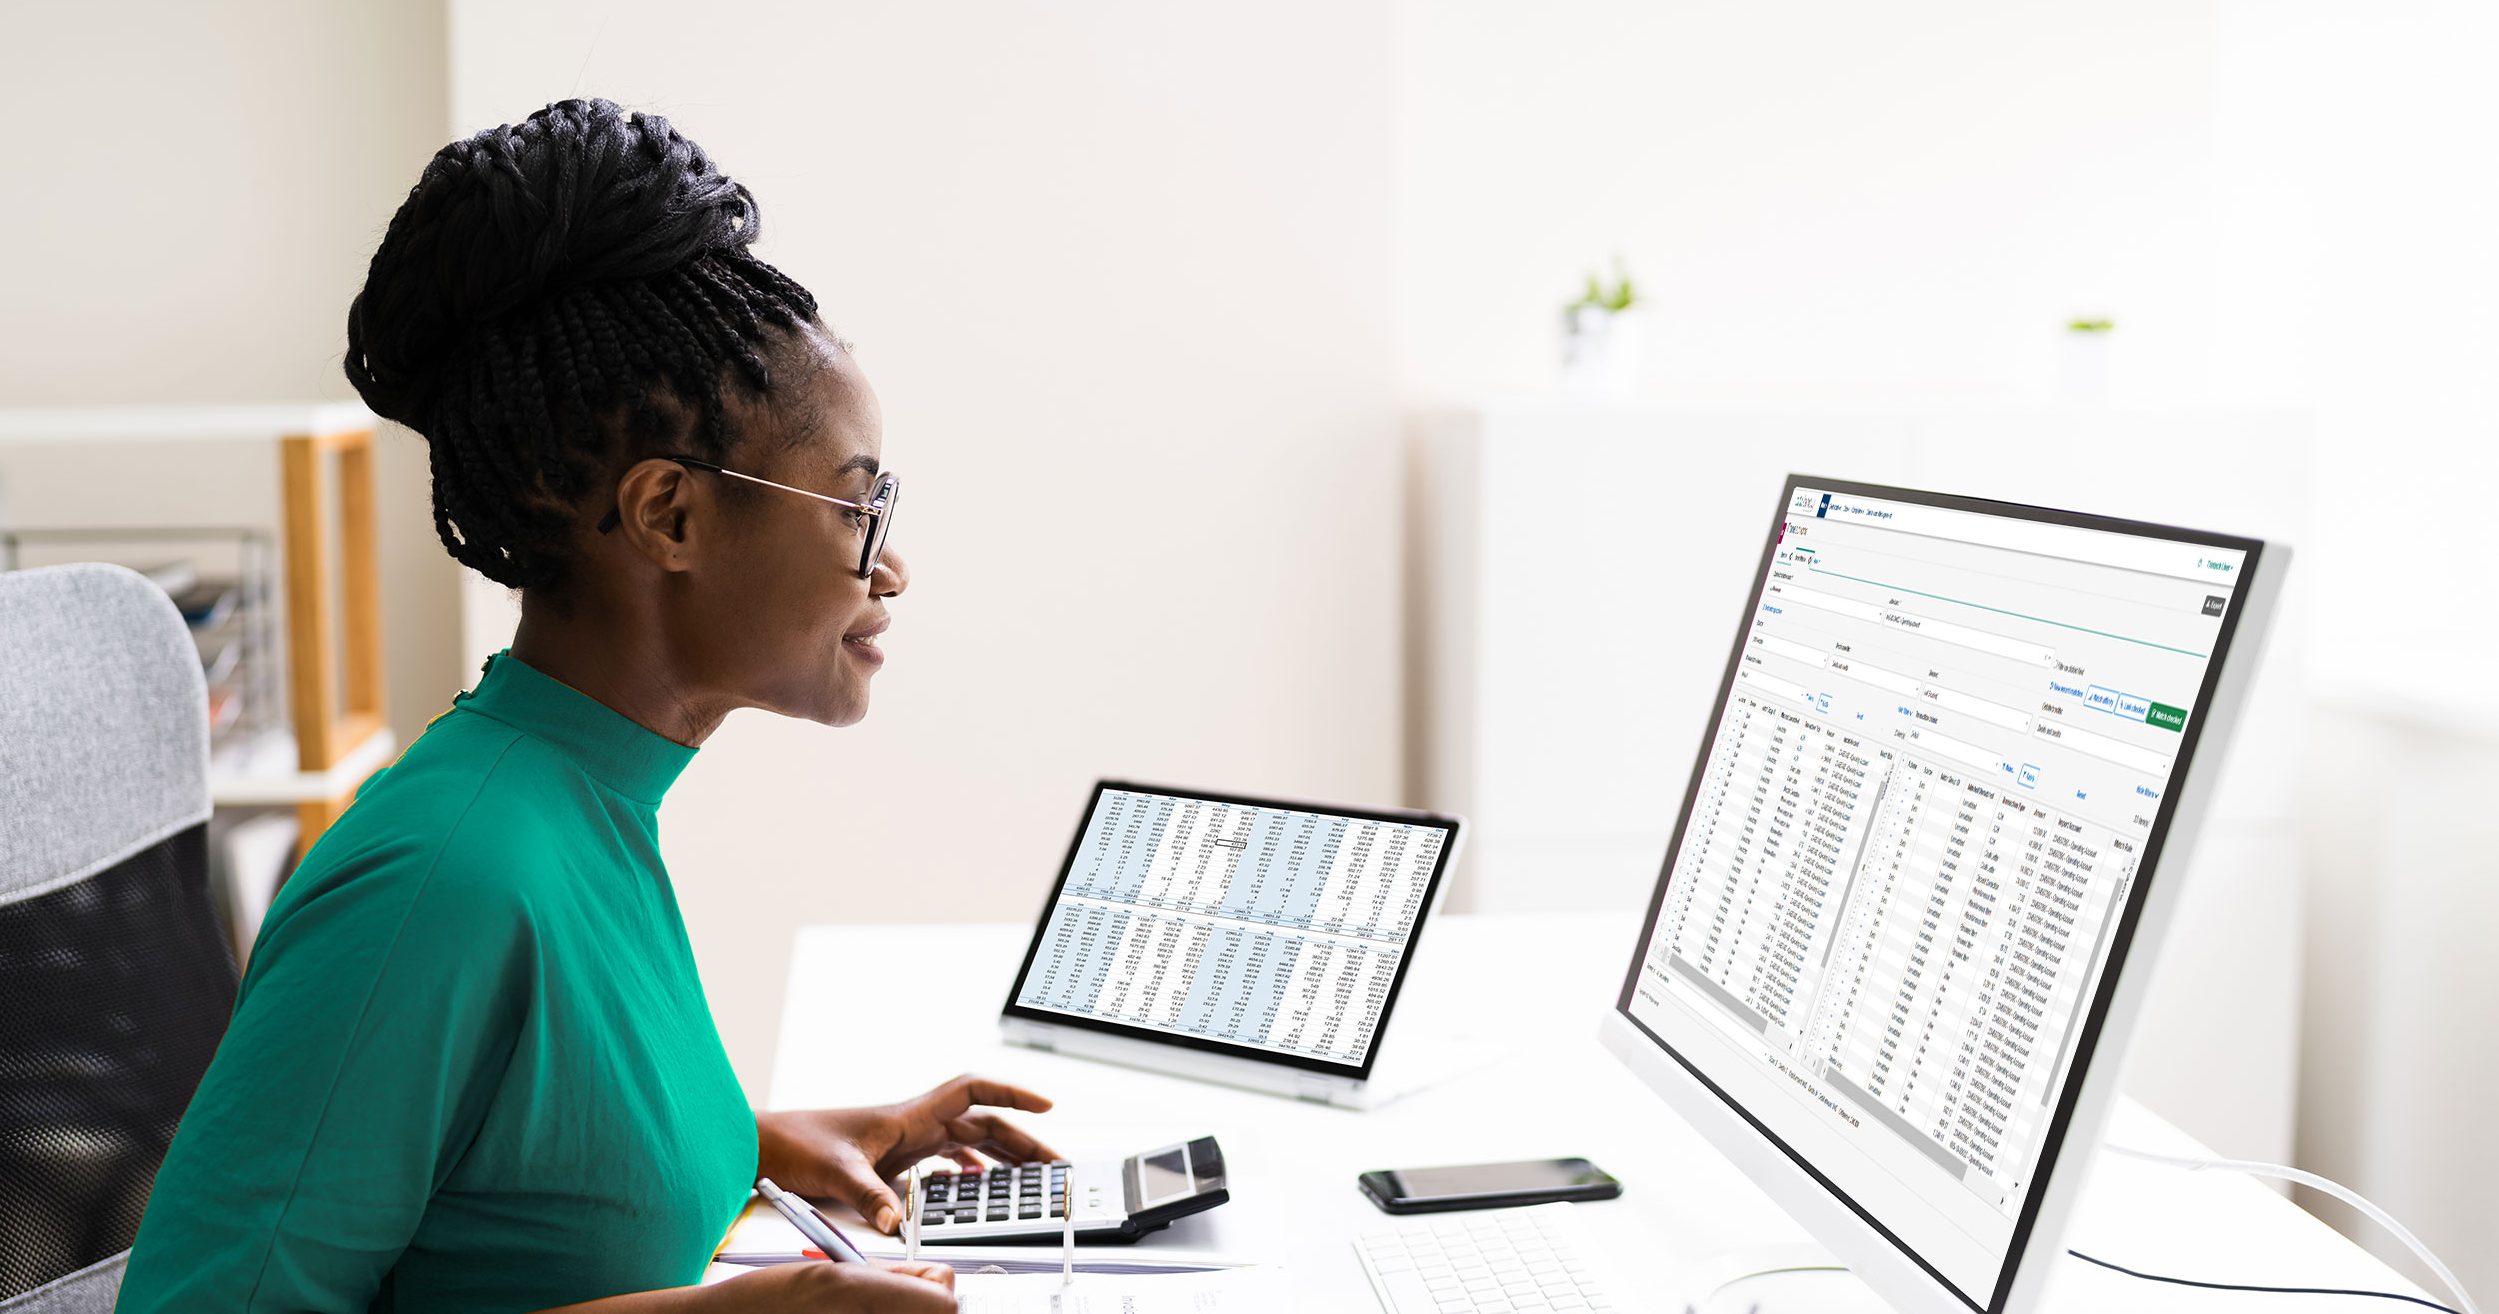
(821, 1288)
(876, 1287)
(850, 1154)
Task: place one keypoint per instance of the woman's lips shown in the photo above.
(863, 645)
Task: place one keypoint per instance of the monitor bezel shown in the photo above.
(2245, 590)
(1450, 826)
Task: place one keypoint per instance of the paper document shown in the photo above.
(1241, 1290)
(763, 1236)
(1236, 1289)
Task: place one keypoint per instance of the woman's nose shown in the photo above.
(890, 577)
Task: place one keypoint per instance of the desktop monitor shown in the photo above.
(1909, 907)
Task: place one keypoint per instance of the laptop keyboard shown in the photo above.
(1492, 1262)
(999, 1195)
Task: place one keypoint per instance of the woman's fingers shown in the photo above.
(922, 1269)
(993, 1135)
(897, 1287)
(958, 1096)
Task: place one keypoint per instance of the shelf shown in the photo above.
(102, 424)
(332, 577)
(276, 788)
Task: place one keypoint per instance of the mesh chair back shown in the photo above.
(115, 979)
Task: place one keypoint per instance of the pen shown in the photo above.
(810, 1224)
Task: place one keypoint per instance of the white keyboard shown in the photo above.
(1491, 1261)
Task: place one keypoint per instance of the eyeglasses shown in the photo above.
(879, 508)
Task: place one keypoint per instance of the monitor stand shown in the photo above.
(1772, 1279)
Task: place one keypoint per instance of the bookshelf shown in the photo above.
(332, 603)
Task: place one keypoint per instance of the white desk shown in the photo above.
(1521, 995)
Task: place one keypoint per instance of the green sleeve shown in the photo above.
(372, 1030)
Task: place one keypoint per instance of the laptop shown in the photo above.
(1249, 941)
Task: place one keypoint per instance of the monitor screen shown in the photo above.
(1930, 791)
(1235, 924)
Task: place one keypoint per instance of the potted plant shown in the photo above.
(1600, 337)
(2087, 358)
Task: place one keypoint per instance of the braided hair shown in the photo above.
(548, 302)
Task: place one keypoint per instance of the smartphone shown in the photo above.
(1488, 1185)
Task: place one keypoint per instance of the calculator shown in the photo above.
(1116, 1200)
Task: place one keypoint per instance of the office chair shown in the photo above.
(116, 975)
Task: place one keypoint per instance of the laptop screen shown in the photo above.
(1235, 924)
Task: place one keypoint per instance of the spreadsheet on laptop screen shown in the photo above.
(1260, 926)
(1919, 816)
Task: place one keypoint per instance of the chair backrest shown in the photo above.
(116, 975)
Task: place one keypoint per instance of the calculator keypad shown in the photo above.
(1023, 1192)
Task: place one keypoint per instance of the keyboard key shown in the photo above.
(1507, 1263)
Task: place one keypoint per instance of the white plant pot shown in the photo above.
(2087, 366)
(1601, 352)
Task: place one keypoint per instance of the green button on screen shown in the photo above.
(2167, 717)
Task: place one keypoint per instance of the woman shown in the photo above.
(471, 1066)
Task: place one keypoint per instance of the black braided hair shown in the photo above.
(542, 279)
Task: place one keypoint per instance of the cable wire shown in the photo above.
(2248, 1166)
(2249, 1286)
(2333, 1188)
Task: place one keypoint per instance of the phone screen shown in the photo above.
(1481, 1179)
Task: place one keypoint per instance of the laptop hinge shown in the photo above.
(1317, 1090)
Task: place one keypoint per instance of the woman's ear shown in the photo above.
(657, 504)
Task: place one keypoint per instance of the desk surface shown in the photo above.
(1505, 1010)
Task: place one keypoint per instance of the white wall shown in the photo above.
(1127, 257)
(1894, 201)
(196, 191)
(2359, 197)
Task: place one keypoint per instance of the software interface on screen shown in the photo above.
(1917, 822)
(1257, 926)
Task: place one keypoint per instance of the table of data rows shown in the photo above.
(1255, 925)
(1919, 939)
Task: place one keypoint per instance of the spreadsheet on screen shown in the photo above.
(1255, 925)
(1917, 821)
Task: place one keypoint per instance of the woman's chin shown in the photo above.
(848, 706)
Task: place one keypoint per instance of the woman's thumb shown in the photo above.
(874, 1200)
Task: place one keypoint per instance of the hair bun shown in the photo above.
(578, 193)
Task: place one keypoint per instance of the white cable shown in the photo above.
(2332, 1188)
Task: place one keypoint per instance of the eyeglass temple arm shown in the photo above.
(614, 518)
(821, 497)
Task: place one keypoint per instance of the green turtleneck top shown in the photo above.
(470, 1066)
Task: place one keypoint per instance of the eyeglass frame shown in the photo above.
(879, 508)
